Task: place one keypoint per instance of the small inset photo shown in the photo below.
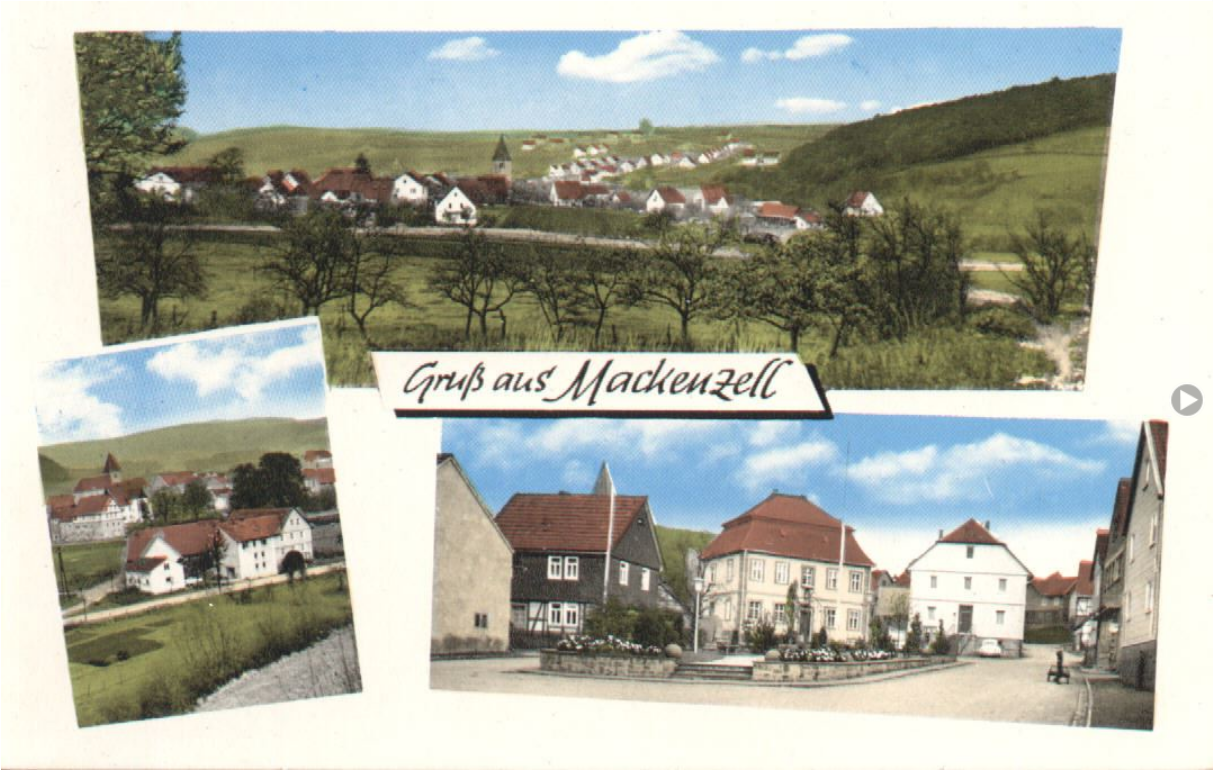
(194, 531)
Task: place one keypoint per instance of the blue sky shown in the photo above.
(274, 371)
(1046, 486)
(579, 80)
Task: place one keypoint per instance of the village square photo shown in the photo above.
(967, 568)
(195, 536)
(907, 208)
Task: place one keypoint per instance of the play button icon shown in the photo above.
(1187, 400)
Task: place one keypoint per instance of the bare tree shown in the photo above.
(372, 282)
(315, 262)
(603, 280)
(151, 257)
(682, 272)
(554, 281)
(1055, 267)
(480, 276)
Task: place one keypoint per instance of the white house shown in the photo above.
(409, 189)
(159, 182)
(658, 160)
(973, 584)
(665, 198)
(93, 518)
(318, 480)
(712, 198)
(249, 544)
(863, 204)
(175, 481)
(456, 209)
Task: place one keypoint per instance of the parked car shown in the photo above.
(990, 649)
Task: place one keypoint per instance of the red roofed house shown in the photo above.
(176, 480)
(891, 601)
(973, 584)
(572, 552)
(175, 183)
(1090, 631)
(862, 203)
(713, 198)
(1047, 601)
(318, 480)
(99, 508)
(665, 198)
(784, 540)
(317, 458)
(455, 208)
(252, 543)
(1110, 604)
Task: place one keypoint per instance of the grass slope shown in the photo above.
(87, 564)
(204, 446)
(391, 151)
(674, 545)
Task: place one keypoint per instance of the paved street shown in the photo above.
(1013, 690)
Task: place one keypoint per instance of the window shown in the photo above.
(832, 579)
(828, 617)
(969, 581)
(754, 611)
(932, 580)
(555, 615)
(728, 570)
(781, 613)
(756, 569)
(1131, 549)
(1156, 518)
(571, 614)
(808, 576)
(999, 618)
(1148, 597)
(554, 568)
(931, 613)
(571, 568)
(781, 572)
(853, 620)
(1127, 605)
(726, 610)
(480, 620)
(969, 552)
(857, 581)
(645, 578)
(624, 573)
(1003, 584)
(711, 573)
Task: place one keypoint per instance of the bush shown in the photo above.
(646, 626)
(941, 645)
(761, 637)
(1000, 321)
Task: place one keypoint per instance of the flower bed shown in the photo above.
(581, 643)
(606, 656)
(833, 655)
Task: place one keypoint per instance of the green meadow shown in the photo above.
(87, 564)
(161, 662)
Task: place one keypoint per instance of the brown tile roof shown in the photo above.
(1160, 443)
(713, 193)
(60, 501)
(812, 217)
(111, 464)
(93, 482)
(87, 506)
(255, 523)
(130, 488)
(787, 525)
(145, 564)
(566, 522)
(317, 454)
(857, 198)
(189, 539)
(777, 210)
(1102, 545)
(1084, 578)
(971, 532)
(568, 190)
(321, 475)
(1122, 504)
(174, 478)
(903, 580)
(1054, 585)
(671, 195)
(485, 189)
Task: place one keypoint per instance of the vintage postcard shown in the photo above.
(947, 567)
(905, 208)
(195, 534)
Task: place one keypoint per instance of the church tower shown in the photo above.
(501, 161)
(604, 486)
(113, 469)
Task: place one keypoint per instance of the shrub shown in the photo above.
(941, 645)
(1000, 321)
(761, 638)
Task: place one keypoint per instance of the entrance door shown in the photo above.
(805, 629)
(965, 618)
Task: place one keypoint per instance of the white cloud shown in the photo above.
(1122, 432)
(916, 106)
(812, 105)
(239, 365)
(472, 49)
(783, 465)
(68, 411)
(870, 105)
(771, 432)
(646, 57)
(960, 472)
(804, 48)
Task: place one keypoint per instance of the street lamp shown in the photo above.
(698, 604)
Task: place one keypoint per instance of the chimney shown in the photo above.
(940, 533)
(987, 525)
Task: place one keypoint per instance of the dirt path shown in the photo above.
(326, 668)
(1058, 344)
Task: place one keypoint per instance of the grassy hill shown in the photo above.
(674, 544)
(390, 151)
(993, 158)
(198, 447)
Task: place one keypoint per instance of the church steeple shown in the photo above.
(604, 485)
(112, 468)
(501, 160)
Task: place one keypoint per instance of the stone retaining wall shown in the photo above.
(810, 672)
(616, 664)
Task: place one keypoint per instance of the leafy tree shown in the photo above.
(646, 127)
(762, 637)
(276, 482)
(791, 606)
(940, 644)
(165, 506)
(196, 500)
(362, 165)
(1055, 266)
(682, 272)
(915, 254)
(554, 280)
(149, 257)
(247, 487)
(914, 642)
(603, 281)
(228, 166)
(823, 637)
(315, 262)
(132, 91)
(371, 281)
(480, 276)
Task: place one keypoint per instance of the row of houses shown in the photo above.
(595, 163)
(534, 571)
(104, 507)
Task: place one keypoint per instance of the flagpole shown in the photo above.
(609, 545)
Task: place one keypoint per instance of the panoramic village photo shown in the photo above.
(195, 537)
(965, 568)
(912, 208)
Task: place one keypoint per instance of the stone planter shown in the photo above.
(607, 664)
(814, 671)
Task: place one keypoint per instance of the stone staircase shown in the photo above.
(710, 670)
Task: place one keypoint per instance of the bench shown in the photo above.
(1058, 673)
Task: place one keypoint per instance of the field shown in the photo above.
(238, 294)
(159, 663)
(391, 151)
(207, 446)
(87, 564)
